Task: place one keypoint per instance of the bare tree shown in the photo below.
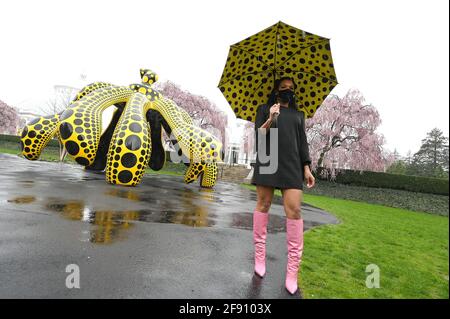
(60, 100)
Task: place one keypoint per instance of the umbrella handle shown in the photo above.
(274, 121)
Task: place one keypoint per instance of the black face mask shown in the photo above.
(286, 96)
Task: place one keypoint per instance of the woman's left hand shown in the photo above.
(310, 180)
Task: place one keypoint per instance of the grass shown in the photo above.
(49, 154)
(8, 150)
(410, 249)
(169, 168)
(164, 172)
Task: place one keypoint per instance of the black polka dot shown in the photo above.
(82, 161)
(65, 129)
(24, 132)
(66, 114)
(125, 176)
(135, 127)
(72, 147)
(78, 122)
(129, 160)
(34, 121)
(133, 142)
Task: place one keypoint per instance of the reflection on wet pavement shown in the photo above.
(22, 199)
(162, 239)
(112, 210)
(110, 224)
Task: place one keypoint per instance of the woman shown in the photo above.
(293, 167)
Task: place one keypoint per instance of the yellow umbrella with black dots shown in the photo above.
(255, 63)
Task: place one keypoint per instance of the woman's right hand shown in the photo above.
(274, 111)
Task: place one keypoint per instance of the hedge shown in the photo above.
(418, 184)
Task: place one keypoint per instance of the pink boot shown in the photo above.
(294, 236)
(260, 220)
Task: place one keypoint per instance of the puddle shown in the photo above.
(109, 212)
(123, 193)
(22, 200)
(107, 225)
(26, 184)
(110, 225)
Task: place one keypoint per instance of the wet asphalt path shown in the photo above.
(162, 239)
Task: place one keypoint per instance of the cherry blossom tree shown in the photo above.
(9, 119)
(342, 134)
(203, 112)
(248, 140)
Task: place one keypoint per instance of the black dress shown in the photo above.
(293, 150)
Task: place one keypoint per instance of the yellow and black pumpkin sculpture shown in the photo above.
(132, 142)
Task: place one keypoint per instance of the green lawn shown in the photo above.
(410, 249)
(8, 150)
(164, 172)
(50, 154)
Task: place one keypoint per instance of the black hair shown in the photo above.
(273, 95)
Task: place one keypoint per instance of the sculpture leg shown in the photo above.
(36, 135)
(130, 146)
(81, 123)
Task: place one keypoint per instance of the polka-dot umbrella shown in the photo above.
(281, 50)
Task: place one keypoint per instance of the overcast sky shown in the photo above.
(395, 52)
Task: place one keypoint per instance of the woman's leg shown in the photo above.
(292, 199)
(264, 198)
(294, 235)
(260, 220)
